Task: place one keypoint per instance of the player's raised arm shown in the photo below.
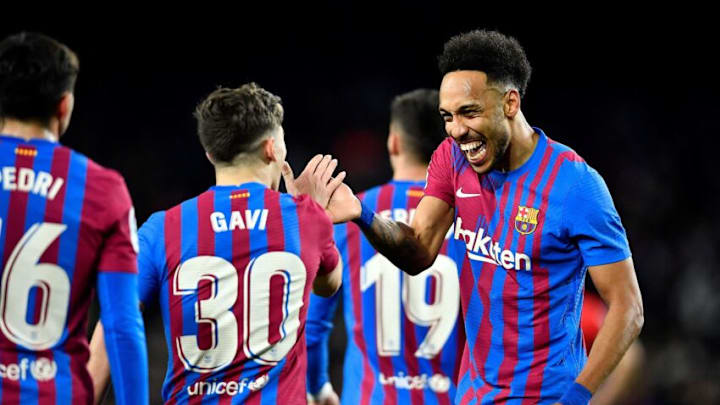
(411, 248)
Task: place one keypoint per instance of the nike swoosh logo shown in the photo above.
(460, 194)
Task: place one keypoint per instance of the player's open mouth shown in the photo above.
(475, 151)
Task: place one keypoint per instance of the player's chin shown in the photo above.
(483, 168)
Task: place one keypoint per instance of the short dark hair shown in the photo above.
(500, 57)
(231, 121)
(35, 72)
(416, 113)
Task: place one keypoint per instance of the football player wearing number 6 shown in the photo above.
(404, 345)
(232, 268)
(67, 228)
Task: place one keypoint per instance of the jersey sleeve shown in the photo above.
(440, 174)
(329, 255)
(592, 222)
(120, 247)
(124, 336)
(317, 333)
(149, 268)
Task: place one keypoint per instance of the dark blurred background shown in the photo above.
(635, 94)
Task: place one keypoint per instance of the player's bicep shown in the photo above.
(433, 217)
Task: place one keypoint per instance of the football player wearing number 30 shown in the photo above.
(232, 268)
(404, 345)
(67, 228)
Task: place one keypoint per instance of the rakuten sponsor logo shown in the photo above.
(41, 369)
(437, 383)
(481, 247)
(227, 387)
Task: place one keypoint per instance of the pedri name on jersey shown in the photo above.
(481, 247)
(30, 181)
(248, 219)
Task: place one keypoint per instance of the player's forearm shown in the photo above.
(619, 385)
(326, 285)
(399, 243)
(621, 327)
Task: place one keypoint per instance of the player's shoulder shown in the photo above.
(311, 213)
(103, 182)
(154, 221)
(572, 164)
(304, 204)
(576, 174)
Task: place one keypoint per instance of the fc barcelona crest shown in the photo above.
(526, 220)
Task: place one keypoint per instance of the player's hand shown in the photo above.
(327, 396)
(343, 205)
(315, 180)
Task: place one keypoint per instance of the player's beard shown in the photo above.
(497, 139)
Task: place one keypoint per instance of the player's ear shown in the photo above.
(207, 155)
(64, 112)
(268, 150)
(511, 103)
(393, 143)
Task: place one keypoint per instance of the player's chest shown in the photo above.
(510, 223)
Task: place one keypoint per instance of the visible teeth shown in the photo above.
(466, 147)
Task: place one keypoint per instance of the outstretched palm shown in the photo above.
(331, 193)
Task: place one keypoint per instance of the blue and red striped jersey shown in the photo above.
(404, 343)
(65, 221)
(527, 237)
(232, 270)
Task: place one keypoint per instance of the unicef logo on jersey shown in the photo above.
(439, 383)
(41, 369)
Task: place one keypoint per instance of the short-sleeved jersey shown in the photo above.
(404, 344)
(232, 270)
(528, 236)
(63, 218)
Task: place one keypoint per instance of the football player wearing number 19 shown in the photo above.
(66, 227)
(233, 267)
(404, 345)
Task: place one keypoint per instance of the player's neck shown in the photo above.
(523, 141)
(235, 175)
(407, 171)
(27, 130)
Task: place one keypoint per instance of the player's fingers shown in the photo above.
(288, 177)
(320, 169)
(329, 171)
(312, 165)
(336, 182)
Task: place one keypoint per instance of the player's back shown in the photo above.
(232, 270)
(404, 344)
(56, 209)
